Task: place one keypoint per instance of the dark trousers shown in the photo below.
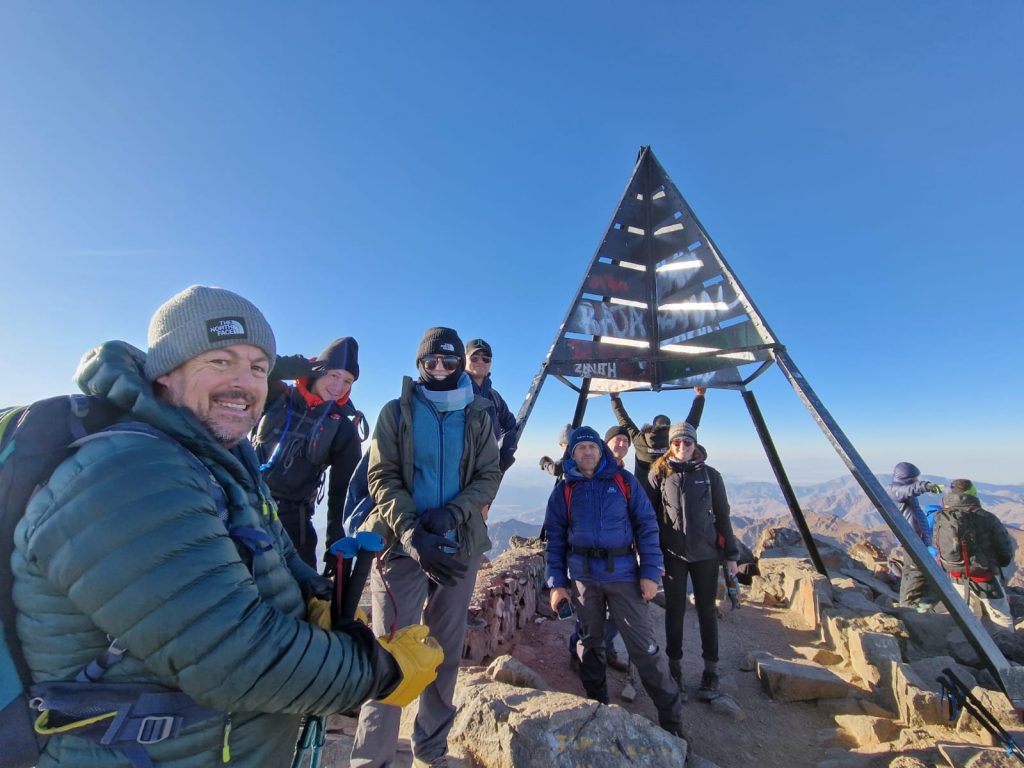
(631, 615)
(704, 575)
(297, 519)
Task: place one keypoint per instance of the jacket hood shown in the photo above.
(606, 468)
(905, 472)
(114, 371)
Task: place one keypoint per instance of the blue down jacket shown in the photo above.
(602, 519)
(126, 541)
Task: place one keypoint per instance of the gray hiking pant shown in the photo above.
(632, 616)
(443, 609)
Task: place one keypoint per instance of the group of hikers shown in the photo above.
(170, 608)
(970, 544)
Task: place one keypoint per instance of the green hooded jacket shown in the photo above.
(126, 541)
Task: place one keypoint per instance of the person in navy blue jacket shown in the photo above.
(506, 429)
(603, 554)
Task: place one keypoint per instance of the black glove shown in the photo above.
(320, 586)
(425, 548)
(438, 520)
(546, 462)
(291, 367)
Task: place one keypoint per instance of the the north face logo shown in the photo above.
(448, 347)
(222, 328)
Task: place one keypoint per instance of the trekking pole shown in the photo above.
(962, 696)
(312, 741)
(369, 544)
(343, 550)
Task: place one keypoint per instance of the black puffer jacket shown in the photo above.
(693, 516)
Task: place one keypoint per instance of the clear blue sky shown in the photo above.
(372, 169)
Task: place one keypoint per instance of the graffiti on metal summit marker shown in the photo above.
(596, 370)
(597, 319)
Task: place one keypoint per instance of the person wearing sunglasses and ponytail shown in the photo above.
(433, 469)
(696, 533)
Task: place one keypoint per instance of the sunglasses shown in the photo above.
(478, 357)
(687, 441)
(448, 362)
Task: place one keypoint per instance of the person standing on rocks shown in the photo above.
(433, 469)
(974, 547)
(696, 532)
(506, 429)
(651, 441)
(904, 489)
(603, 545)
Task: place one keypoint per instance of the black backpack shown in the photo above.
(34, 439)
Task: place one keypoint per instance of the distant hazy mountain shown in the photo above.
(500, 533)
(842, 498)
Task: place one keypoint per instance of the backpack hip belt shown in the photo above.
(608, 555)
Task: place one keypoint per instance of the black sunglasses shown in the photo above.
(480, 357)
(449, 362)
(687, 441)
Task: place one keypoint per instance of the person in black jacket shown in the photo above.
(650, 442)
(506, 429)
(693, 520)
(306, 429)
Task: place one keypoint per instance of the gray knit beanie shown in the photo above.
(199, 319)
(682, 429)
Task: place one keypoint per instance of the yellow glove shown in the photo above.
(362, 617)
(318, 612)
(418, 656)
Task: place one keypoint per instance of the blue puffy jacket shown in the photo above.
(601, 519)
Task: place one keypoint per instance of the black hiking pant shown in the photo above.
(297, 519)
(704, 575)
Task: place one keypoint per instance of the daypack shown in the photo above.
(608, 555)
(34, 439)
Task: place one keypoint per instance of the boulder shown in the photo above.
(501, 726)
(872, 655)
(799, 681)
(865, 730)
(916, 703)
(972, 756)
(506, 669)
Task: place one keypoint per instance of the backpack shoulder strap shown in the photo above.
(567, 493)
(623, 486)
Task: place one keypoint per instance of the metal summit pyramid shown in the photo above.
(659, 308)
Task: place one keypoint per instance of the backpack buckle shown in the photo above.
(155, 728)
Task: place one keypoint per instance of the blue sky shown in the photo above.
(372, 169)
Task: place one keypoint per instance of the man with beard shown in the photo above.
(433, 469)
(158, 532)
(306, 430)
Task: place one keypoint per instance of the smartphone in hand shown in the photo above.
(565, 610)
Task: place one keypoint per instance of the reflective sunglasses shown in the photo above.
(687, 441)
(480, 357)
(449, 362)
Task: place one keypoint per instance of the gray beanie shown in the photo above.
(199, 319)
(682, 429)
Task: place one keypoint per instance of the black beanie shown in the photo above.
(341, 355)
(615, 432)
(441, 341)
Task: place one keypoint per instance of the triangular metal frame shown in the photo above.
(633, 353)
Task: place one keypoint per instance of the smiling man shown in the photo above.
(306, 431)
(159, 532)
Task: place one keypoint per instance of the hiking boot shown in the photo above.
(708, 687)
(675, 728)
(437, 762)
(615, 662)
